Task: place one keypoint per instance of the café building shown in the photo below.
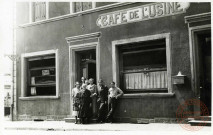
(158, 53)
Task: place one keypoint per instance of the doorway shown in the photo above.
(203, 42)
(86, 64)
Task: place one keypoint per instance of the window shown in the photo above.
(82, 6)
(40, 72)
(143, 66)
(39, 11)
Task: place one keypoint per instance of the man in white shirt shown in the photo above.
(114, 94)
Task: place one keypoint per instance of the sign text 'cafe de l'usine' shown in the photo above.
(141, 13)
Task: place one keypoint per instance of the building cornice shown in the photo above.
(198, 17)
(83, 37)
(76, 14)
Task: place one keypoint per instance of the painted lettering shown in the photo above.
(140, 13)
(143, 15)
(136, 14)
(103, 21)
(159, 9)
(170, 7)
(116, 17)
(111, 20)
(123, 17)
(131, 15)
(152, 11)
(177, 6)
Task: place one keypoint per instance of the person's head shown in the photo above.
(77, 84)
(112, 84)
(100, 82)
(83, 79)
(84, 86)
(86, 81)
(91, 80)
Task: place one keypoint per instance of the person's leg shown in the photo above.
(76, 120)
(112, 107)
(94, 107)
(101, 112)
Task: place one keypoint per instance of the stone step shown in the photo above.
(69, 120)
(72, 120)
(205, 118)
(199, 122)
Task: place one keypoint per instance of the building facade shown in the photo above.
(140, 46)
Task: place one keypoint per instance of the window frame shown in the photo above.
(31, 12)
(115, 55)
(24, 76)
(72, 7)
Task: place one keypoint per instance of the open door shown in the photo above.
(204, 66)
(86, 64)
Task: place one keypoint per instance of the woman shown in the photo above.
(76, 100)
(85, 102)
(93, 89)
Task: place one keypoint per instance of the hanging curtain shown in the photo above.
(149, 80)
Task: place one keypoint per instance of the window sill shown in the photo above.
(39, 97)
(160, 95)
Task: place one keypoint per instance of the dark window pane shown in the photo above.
(143, 66)
(42, 79)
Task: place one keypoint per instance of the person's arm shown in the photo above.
(72, 92)
(95, 90)
(120, 93)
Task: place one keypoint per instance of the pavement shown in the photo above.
(63, 126)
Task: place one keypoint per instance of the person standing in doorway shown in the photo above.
(114, 94)
(102, 101)
(85, 103)
(76, 101)
(93, 89)
(82, 81)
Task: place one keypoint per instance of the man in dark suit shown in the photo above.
(102, 101)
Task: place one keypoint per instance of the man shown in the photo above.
(102, 101)
(85, 102)
(114, 94)
(93, 89)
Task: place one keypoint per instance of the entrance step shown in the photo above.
(199, 122)
(72, 120)
(69, 120)
(204, 118)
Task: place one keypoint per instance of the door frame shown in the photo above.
(72, 63)
(194, 54)
(193, 47)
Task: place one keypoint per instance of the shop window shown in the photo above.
(39, 11)
(40, 74)
(143, 66)
(82, 6)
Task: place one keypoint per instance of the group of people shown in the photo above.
(93, 101)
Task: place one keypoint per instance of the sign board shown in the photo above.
(45, 72)
(141, 13)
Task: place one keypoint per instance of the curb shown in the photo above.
(59, 129)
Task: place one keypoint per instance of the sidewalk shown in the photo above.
(63, 126)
